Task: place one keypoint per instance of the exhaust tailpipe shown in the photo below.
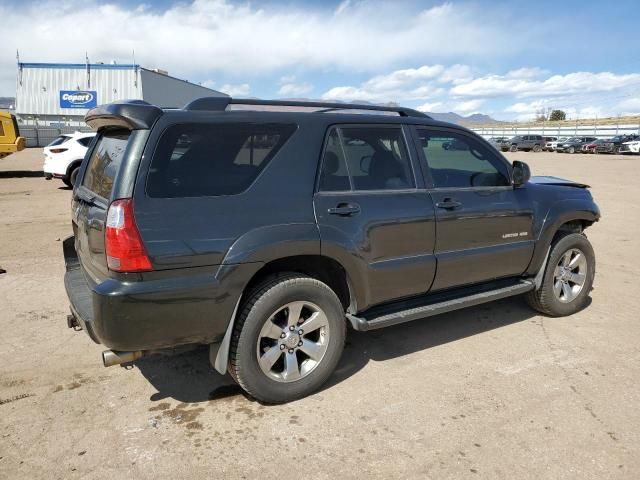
(114, 357)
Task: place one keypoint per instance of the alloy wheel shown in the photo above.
(570, 275)
(293, 341)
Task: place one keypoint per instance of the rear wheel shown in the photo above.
(572, 150)
(288, 338)
(568, 277)
(70, 180)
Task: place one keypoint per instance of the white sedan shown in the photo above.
(63, 156)
(630, 147)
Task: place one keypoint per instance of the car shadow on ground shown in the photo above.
(189, 377)
(21, 173)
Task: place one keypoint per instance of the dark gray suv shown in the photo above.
(265, 234)
(527, 143)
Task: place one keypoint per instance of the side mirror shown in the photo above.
(521, 173)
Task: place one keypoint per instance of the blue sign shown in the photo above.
(78, 99)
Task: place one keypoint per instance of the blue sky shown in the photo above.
(507, 59)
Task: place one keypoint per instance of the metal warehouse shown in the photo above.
(59, 94)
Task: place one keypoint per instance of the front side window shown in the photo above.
(197, 160)
(366, 158)
(458, 161)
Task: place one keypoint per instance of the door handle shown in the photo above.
(345, 209)
(449, 204)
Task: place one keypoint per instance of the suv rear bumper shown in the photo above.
(150, 314)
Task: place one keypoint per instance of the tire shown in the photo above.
(263, 321)
(67, 182)
(536, 148)
(547, 299)
(513, 148)
(572, 150)
(616, 150)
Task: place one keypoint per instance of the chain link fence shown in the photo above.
(36, 136)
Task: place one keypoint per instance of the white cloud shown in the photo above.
(197, 39)
(295, 89)
(291, 87)
(531, 107)
(432, 107)
(470, 106)
(400, 85)
(239, 91)
(556, 85)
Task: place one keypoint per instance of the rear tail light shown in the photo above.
(58, 150)
(123, 245)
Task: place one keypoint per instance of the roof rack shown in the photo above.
(221, 103)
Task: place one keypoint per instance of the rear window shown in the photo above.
(58, 141)
(104, 162)
(198, 160)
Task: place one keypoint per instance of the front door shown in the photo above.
(371, 214)
(484, 224)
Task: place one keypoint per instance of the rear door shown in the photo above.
(91, 200)
(372, 213)
(484, 224)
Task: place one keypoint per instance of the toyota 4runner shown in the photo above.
(265, 228)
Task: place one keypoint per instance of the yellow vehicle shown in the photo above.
(10, 139)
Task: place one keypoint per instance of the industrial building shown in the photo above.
(57, 95)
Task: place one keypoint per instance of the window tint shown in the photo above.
(459, 161)
(195, 160)
(104, 163)
(374, 158)
(334, 176)
(85, 141)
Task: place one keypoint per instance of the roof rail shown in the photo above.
(221, 103)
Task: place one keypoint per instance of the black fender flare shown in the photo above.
(563, 211)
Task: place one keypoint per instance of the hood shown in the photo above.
(543, 180)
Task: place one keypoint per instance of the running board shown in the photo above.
(371, 321)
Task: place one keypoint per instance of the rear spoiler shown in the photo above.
(129, 114)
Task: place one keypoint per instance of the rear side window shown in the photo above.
(85, 141)
(105, 161)
(197, 160)
(366, 158)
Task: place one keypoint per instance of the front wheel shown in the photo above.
(537, 148)
(568, 277)
(513, 148)
(288, 338)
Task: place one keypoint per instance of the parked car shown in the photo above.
(574, 144)
(613, 145)
(499, 142)
(592, 146)
(630, 147)
(525, 142)
(553, 144)
(63, 156)
(185, 232)
(547, 141)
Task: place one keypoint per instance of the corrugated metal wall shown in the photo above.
(38, 87)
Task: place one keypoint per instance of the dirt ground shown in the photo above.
(494, 391)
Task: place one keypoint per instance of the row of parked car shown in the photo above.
(625, 144)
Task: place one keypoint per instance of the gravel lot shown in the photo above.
(494, 391)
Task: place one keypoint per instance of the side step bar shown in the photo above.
(436, 308)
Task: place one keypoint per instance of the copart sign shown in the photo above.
(78, 99)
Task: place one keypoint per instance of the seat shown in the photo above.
(385, 172)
